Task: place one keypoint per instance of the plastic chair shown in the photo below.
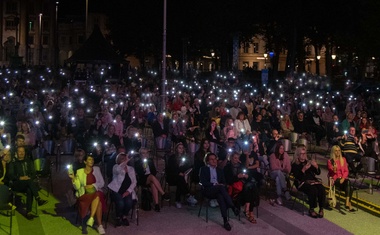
(5, 192)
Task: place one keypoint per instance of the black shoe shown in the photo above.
(29, 216)
(313, 214)
(41, 202)
(125, 222)
(157, 208)
(321, 214)
(84, 229)
(118, 222)
(236, 210)
(166, 197)
(227, 226)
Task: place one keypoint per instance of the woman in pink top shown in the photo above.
(338, 171)
(280, 167)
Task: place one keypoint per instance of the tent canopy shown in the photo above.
(96, 49)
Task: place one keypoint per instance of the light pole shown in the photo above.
(265, 58)
(163, 82)
(317, 64)
(40, 28)
(86, 26)
(212, 61)
(56, 36)
(333, 57)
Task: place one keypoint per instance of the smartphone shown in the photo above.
(70, 169)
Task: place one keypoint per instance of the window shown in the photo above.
(255, 47)
(245, 64)
(45, 26)
(246, 47)
(255, 65)
(11, 7)
(45, 40)
(10, 24)
(31, 39)
(63, 40)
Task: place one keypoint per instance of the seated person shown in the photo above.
(146, 176)
(338, 171)
(334, 131)
(199, 159)
(160, 129)
(23, 176)
(132, 139)
(88, 183)
(286, 126)
(280, 168)
(349, 144)
(271, 143)
(368, 142)
(177, 165)
(214, 187)
(177, 130)
(226, 152)
(301, 126)
(304, 172)
(240, 186)
(122, 188)
(78, 162)
(250, 159)
(229, 131)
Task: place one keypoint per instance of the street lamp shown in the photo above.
(265, 58)
(40, 28)
(333, 56)
(317, 64)
(56, 36)
(212, 61)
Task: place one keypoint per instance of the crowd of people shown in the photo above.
(221, 132)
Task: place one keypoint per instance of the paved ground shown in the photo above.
(56, 218)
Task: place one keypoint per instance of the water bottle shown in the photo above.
(370, 189)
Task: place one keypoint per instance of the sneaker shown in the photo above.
(41, 202)
(279, 201)
(213, 203)
(101, 230)
(11, 206)
(287, 195)
(178, 205)
(90, 221)
(166, 197)
(191, 200)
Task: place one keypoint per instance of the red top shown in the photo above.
(341, 170)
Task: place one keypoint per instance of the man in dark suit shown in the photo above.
(213, 186)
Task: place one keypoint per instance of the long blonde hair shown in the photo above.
(335, 157)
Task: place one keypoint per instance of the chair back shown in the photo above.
(4, 196)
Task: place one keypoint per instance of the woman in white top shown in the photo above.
(123, 188)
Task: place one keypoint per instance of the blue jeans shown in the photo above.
(122, 204)
(280, 178)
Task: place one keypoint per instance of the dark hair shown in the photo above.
(277, 150)
(86, 157)
(207, 156)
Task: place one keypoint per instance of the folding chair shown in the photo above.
(5, 206)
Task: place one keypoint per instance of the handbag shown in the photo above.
(331, 194)
(235, 188)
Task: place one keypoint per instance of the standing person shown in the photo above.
(23, 175)
(123, 188)
(304, 172)
(280, 168)
(338, 171)
(88, 183)
(214, 186)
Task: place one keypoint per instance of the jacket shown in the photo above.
(80, 181)
(118, 178)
